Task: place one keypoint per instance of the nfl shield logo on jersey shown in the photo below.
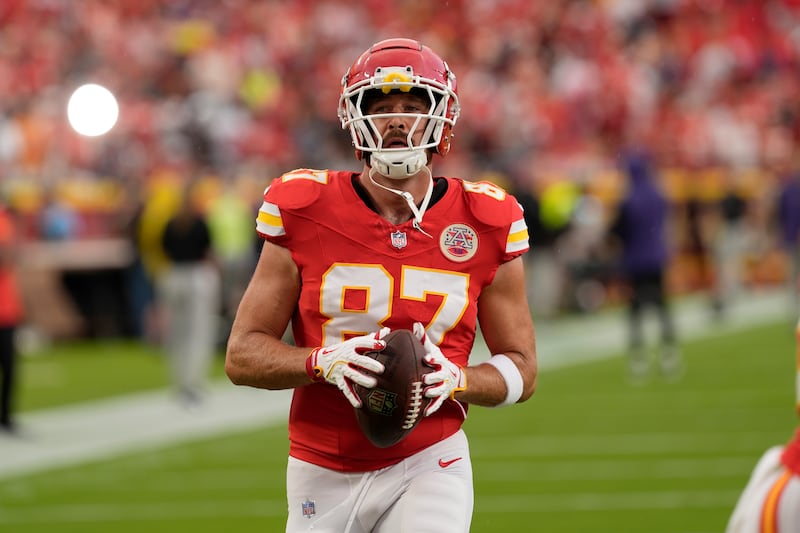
(399, 239)
(309, 509)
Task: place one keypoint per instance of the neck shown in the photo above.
(389, 200)
(399, 200)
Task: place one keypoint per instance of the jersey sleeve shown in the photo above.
(269, 224)
(495, 207)
(517, 242)
(294, 190)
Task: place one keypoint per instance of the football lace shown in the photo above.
(414, 406)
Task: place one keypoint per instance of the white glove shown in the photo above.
(447, 379)
(339, 364)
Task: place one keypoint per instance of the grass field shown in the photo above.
(589, 453)
(85, 370)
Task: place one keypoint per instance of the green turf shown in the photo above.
(89, 370)
(589, 453)
(592, 453)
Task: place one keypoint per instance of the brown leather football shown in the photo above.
(394, 407)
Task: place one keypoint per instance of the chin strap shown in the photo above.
(418, 212)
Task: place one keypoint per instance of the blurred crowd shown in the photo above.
(228, 94)
(239, 87)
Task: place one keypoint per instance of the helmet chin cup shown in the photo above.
(399, 164)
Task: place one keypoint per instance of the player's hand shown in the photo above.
(341, 364)
(447, 378)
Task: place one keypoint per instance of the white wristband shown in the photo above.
(511, 375)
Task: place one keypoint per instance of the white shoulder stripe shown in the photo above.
(519, 225)
(269, 220)
(517, 240)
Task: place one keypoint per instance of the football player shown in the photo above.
(770, 502)
(349, 256)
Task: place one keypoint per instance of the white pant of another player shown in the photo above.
(770, 502)
(428, 492)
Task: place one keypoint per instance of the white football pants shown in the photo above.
(428, 492)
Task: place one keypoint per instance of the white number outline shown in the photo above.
(485, 187)
(320, 176)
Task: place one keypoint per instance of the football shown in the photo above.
(394, 407)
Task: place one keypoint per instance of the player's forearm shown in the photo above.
(487, 386)
(260, 360)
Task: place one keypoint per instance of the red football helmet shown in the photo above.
(400, 65)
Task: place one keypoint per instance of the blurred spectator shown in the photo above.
(530, 210)
(696, 213)
(729, 245)
(139, 290)
(204, 81)
(10, 317)
(230, 220)
(788, 212)
(189, 292)
(641, 229)
(59, 221)
(583, 252)
(548, 211)
(162, 198)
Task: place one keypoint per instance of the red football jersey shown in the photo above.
(359, 272)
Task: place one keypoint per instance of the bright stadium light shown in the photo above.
(92, 110)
